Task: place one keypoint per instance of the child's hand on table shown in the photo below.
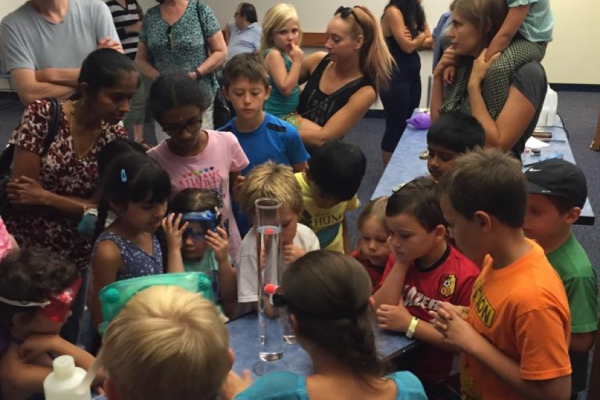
(394, 318)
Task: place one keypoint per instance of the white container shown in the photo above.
(548, 113)
(64, 383)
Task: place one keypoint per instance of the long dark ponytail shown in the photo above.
(333, 314)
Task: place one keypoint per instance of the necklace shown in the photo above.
(80, 155)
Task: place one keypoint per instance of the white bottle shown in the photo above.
(64, 383)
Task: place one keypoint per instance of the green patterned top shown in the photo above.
(183, 50)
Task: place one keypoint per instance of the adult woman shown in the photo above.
(64, 179)
(475, 23)
(342, 84)
(50, 192)
(174, 38)
(405, 31)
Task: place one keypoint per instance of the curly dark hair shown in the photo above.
(31, 275)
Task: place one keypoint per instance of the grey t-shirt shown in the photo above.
(531, 81)
(30, 41)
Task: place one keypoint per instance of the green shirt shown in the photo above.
(579, 278)
(575, 270)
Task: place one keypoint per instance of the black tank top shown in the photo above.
(404, 61)
(320, 107)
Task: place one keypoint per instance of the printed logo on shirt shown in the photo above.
(204, 178)
(414, 298)
(447, 285)
(483, 308)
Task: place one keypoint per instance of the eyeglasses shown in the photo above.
(191, 126)
(170, 36)
(344, 12)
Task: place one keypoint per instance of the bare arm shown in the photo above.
(218, 54)
(394, 20)
(142, 60)
(513, 21)
(107, 261)
(582, 342)
(393, 286)
(514, 118)
(300, 167)
(284, 81)
(437, 96)
(339, 124)
(428, 42)
(59, 76)
(30, 89)
(24, 188)
(309, 64)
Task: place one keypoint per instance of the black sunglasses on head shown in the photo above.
(344, 12)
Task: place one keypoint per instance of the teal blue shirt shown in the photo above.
(278, 104)
(539, 22)
(180, 47)
(284, 385)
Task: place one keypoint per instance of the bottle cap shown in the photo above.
(64, 367)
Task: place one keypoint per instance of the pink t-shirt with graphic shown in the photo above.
(208, 170)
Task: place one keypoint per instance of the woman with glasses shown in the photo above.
(192, 156)
(175, 37)
(342, 84)
(406, 31)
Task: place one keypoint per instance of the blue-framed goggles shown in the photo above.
(199, 223)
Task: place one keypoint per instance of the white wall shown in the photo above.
(573, 57)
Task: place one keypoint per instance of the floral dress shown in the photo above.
(181, 47)
(62, 173)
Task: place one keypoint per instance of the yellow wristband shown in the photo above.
(411, 328)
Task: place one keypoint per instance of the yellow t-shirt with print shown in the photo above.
(326, 223)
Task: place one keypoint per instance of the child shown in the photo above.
(274, 181)
(557, 193)
(280, 45)
(262, 136)
(193, 157)
(329, 188)
(451, 135)
(166, 343)
(205, 245)
(424, 271)
(112, 150)
(136, 189)
(333, 323)
(37, 289)
(373, 249)
(514, 341)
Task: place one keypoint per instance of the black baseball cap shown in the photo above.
(560, 178)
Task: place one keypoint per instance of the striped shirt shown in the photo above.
(122, 17)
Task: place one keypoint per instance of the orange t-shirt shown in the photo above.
(523, 311)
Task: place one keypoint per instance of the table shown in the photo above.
(405, 164)
(243, 339)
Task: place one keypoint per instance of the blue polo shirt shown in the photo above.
(274, 140)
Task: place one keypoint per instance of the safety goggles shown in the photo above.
(199, 223)
(58, 306)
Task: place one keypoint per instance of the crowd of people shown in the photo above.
(476, 261)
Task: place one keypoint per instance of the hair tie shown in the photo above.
(123, 175)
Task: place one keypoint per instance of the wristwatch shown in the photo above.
(198, 74)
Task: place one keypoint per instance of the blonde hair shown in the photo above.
(375, 59)
(167, 343)
(486, 15)
(274, 20)
(376, 210)
(271, 180)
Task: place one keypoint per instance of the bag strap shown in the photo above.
(206, 49)
(55, 110)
